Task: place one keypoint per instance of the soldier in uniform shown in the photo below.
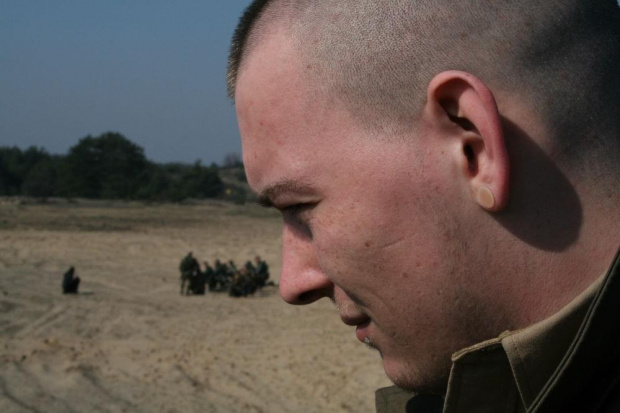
(70, 282)
(220, 268)
(209, 272)
(221, 277)
(232, 267)
(242, 284)
(188, 267)
(250, 268)
(262, 271)
(197, 282)
(237, 286)
(251, 284)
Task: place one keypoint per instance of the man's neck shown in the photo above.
(563, 275)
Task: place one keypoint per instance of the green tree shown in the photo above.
(108, 166)
(41, 179)
(200, 182)
(9, 179)
(157, 185)
(211, 183)
(16, 165)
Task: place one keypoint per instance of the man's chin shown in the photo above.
(412, 378)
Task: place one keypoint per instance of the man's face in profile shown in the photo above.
(366, 222)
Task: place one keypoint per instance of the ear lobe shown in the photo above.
(467, 104)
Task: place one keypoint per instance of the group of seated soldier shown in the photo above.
(223, 277)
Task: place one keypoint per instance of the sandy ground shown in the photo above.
(130, 343)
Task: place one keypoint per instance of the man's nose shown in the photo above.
(302, 280)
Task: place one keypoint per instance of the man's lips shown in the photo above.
(355, 320)
(362, 331)
(361, 322)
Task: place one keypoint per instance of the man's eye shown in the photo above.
(298, 218)
(297, 212)
(293, 209)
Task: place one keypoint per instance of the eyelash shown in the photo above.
(293, 208)
(295, 211)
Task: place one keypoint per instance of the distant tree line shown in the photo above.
(105, 167)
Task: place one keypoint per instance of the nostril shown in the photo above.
(306, 298)
(311, 296)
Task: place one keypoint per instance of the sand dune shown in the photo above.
(130, 343)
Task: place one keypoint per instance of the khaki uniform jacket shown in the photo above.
(567, 363)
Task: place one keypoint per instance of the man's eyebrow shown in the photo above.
(268, 196)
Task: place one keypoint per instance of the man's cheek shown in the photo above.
(344, 261)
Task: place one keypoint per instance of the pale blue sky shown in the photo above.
(153, 70)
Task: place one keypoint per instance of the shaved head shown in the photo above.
(377, 58)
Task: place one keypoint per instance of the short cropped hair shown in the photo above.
(377, 57)
(240, 40)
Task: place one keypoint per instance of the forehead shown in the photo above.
(292, 132)
(283, 122)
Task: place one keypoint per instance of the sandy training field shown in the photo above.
(130, 343)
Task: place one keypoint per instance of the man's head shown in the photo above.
(375, 128)
(378, 58)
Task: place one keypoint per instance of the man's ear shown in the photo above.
(466, 109)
